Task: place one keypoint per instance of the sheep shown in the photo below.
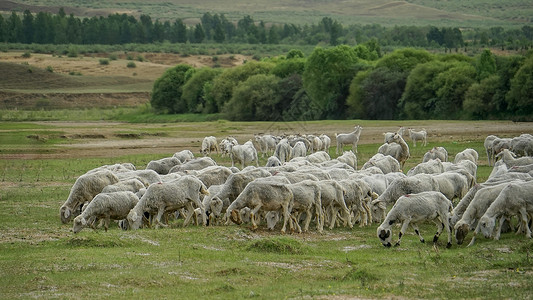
(306, 196)
(522, 145)
(244, 154)
(349, 158)
(299, 150)
(514, 199)
(315, 143)
(480, 202)
(452, 185)
(433, 166)
(145, 176)
(162, 166)
(273, 162)
(464, 167)
(84, 189)
(318, 157)
(332, 197)
(351, 138)
(355, 199)
(326, 142)
(397, 148)
(261, 195)
(184, 155)
(294, 177)
(522, 169)
(106, 206)
(225, 145)
(194, 164)
(169, 197)
(283, 151)
(402, 186)
(488, 144)
(385, 163)
(380, 182)
(418, 136)
(388, 135)
(414, 209)
(132, 185)
(115, 168)
(510, 161)
(214, 175)
(266, 143)
(498, 144)
(467, 154)
(436, 153)
(209, 144)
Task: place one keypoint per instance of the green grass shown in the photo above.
(42, 258)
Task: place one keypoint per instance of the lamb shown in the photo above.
(386, 163)
(349, 158)
(132, 185)
(195, 164)
(244, 154)
(273, 162)
(510, 161)
(418, 136)
(436, 153)
(294, 177)
(184, 155)
(396, 148)
(299, 150)
(261, 195)
(414, 209)
(402, 186)
(488, 144)
(106, 206)
(169, 197)
(162, 166)
(477, 207)
(306, 196)
(213, 207)
(379, 182)
(84, 189)
(266, 143)
(351, 138)
(209, 144)
(433, 166)
(467, 154)
(388, 135)
(326, 142)
(283, 151)
(514, 199)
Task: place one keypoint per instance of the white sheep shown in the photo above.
(184, 155)
(283, 151)
(261, 195)
(244, 154)
(418, 136)
(436, 153)
(432, 166)
(145, 176)
(214, 175)
(467, 154)
(273, 162)
(498, 144)
(84, 189)
(452, 185)
(194, 165)
(169, 197)
(397, 148)
(318, 157)
(388, 135)
(266, 143)
(132, 185)
(351, 138)
(299, 150)
(514, 199)
(106, 206)
(349, 158)
(332, 199)
(163, 165)
(306, 197)
(488, 144)
(209, 144)
(510, 160)
(115, 168)
(315, 143)
(522, 145)
(386, 163)
(415, 209)
(225, 145)
(326, 142)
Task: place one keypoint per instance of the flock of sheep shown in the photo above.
(301, 184)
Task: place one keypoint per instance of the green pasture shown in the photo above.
(41, 258)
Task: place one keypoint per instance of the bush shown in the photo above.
(113, 57)
(26, 55)
(131, 65)
(50, 69)
(140, 58)
(104, 61)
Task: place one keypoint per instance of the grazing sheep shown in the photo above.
(349, 158)
(418, 136)
(294, 177)
(106, 206)
(414, 209)
(318, 157)
(396, 148)
(184, 155)
(522, 145)
(214, 175)
(299, 150)
(84, 189)
(514, 199)
(209, 144)
(169, 197)
(306, 196)
(332, 198)
(315, 143)
(467, 154)
(355, 200)
(402, 186)
(498, 144)
(283, 151)
(380, 182)
(452, 185)
(273, 162)
(162, 166)
(266, 143)
(326, 142)
(351, 138)
(213, 207)
(115, 168)
(489, 149)
(145, 176)
(132, 185)
(244, 154)
(436, 153)
(385, 163)
(261, 195)
(510, 160)
(433, 166)
(194, 165)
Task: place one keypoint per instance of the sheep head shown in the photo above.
(65, 214)
(79, 224)
(486, 226)
(385, 236)
(134, 220)
(461, 230)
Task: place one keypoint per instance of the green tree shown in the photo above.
(168, 89)
(404, 60)
(179, 32)
(199, 33)
(255, 99)
(3, 29)
(15, 33)
(327, 77)
(194, 88)
(479, 99)
(452, 85)
(486, 65)
(520, 95)
(286, 67)
(27, 27)
(219, 35)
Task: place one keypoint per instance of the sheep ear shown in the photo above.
(382, 205)
(66, 213)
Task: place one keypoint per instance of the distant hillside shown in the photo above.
(478, 13)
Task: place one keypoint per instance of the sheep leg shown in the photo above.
(295, 220)
(524, 221)
(252, 217)
(498, 229)
(307, 220)
(190, 213)
(158, 222)
(285, 217)
(333, 216)
(440, 227)
(106, 223)
(474, 237)
(417, 231)
(405, 224)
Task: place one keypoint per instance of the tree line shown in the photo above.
(47, 28)
(345, 82)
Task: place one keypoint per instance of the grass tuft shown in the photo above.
(280, 245)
